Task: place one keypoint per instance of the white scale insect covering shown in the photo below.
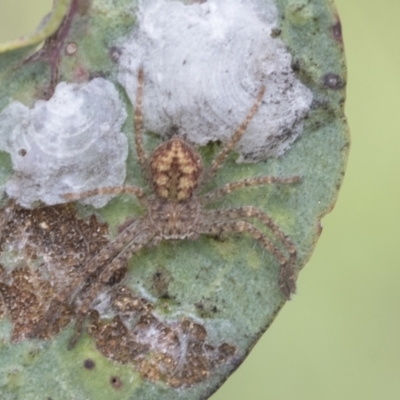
(204, 64)
(70, 143)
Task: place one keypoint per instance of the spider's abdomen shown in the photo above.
(175, 169)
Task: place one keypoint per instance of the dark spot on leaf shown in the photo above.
(97, 74)
(275, 32)
(115, 53)
(89, 364)
(199, 305)
(161, 280)
(22, 152)
(296, 65)
(46, 93)
(206, 308)
(337, 31)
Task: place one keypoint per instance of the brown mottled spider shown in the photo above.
(175, 210)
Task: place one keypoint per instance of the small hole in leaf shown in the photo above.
(115, 382)
(332, 81)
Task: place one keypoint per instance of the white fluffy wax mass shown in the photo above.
(70, 143)
(204, 64)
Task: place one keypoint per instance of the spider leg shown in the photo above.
(138, 125)
(117, 263)
(101, 260)
(105, 275)
(6, 214)
(77, 284)
(287, 279)
(220, 158)
(134, 190)
(216, 194)
(254, 212)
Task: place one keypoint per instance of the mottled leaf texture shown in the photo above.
(181, 315)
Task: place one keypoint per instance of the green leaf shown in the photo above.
(187, 313)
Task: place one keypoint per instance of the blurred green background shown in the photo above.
(339, 339)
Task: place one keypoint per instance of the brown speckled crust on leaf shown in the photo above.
(175, 352)
(56, 245)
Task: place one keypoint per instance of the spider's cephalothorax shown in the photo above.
(175, 170)
(176, 210)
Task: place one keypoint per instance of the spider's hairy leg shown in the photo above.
(6, 215)
(101, 260)
(287, 276)
(116, 190)
(220, 158)
(96, 263)
(138, 125)
(230, 187)
(287, 282)
(115, 265)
